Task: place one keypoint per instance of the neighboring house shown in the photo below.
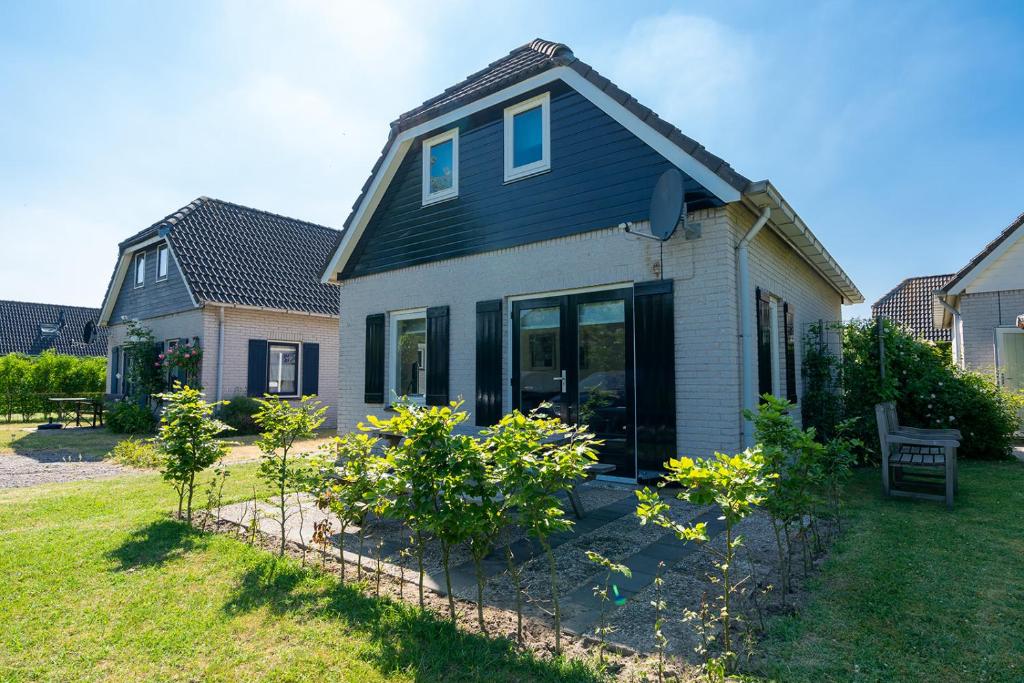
(487, 260)
(33, 328)
(242, 283)
(910, 304)
(981, 305)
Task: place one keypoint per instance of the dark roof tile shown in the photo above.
(910, 304)
(21, 329)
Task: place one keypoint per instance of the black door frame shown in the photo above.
(569, 351)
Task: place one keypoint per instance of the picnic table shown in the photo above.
(91, 404)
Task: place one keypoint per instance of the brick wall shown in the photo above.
(241, 325)
(175, 326)
(982, 313)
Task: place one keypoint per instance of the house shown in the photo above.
(500, 253)
(242, 284)
(910, 304)
(982, 307)
(30, 329)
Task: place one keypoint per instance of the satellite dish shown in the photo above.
(88, 332)
(667, 204)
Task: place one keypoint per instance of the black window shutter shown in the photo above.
(488, 362)
(787, 310)
(257, 384)
(115, 368)
(437, 356)
(764, 344)
(373, 378)
(310, 369)
(654, 320)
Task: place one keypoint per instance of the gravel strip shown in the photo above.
(54, 468)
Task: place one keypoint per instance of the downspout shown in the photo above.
(957, 340)
(220, 351)
(747, 349)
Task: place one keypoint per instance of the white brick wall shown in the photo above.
(175, 326)
(982, 313)
(241, 325)
(704, 270)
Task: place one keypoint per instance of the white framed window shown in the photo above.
(773, 325)
(140, 269)
(283, 369)
(528, 137)
(441, 167)
(162, 259)
(408, 352)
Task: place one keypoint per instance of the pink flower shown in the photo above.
(161, 356)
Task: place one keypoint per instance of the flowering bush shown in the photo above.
(929, 392)
(185, 360)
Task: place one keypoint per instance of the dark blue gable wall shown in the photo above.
(601, 175)
(154, 298)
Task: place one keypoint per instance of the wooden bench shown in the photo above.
(915, 461)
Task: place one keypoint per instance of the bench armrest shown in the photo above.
(920, 441)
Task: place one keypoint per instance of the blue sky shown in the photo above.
(895, 129)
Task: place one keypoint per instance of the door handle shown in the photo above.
(561, 378)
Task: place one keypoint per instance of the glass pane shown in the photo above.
(140, 270)
(540, 367)
(162, 262)
(441, 165)
(602, 380)
(527, 137)
(411, 373)
(282, 377)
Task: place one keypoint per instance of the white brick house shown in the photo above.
(513, 287)
(201, 276)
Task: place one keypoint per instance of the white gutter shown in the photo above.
(747, 348)
(220, 351)
(957, 341)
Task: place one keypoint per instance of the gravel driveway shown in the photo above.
(50, 468)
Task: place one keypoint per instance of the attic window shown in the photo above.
(528, 138)
(161, 262)
(441, 167)
(140, 269)
(49, 329)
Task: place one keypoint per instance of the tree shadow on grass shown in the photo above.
(156, 543)
(405, 639)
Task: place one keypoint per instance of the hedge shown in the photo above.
(28, 382)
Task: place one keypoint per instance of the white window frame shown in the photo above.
(164, 252)
(141, 256)
(453, 191)
(298, 367)
(544, 164)
(394, 374)
(776, 347)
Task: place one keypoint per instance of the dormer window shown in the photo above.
(140, 269)
(528, 138)
(49, 330)
(161, 262)
(441, 167)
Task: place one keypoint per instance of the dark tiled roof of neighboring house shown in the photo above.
(980, 256)
(234, 254)
(910, 303)
(525, 61)
(33, 328)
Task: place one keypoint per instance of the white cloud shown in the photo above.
(694, 71)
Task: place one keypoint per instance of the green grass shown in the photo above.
(915, 593)
(100, 584)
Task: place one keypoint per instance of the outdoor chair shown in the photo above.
(916, 461)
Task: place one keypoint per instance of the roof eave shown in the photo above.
(791, 226)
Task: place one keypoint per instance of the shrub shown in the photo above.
(187, 441)
(239, 412)
(928, 391)
(27, 382)
(128, 417)
(136, 453)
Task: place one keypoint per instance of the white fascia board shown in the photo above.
(122, 270)
(191, 294)
(977, 270)
(668, 149)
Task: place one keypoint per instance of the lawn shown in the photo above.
(915, 593)
(92, 443)
(99, 584)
